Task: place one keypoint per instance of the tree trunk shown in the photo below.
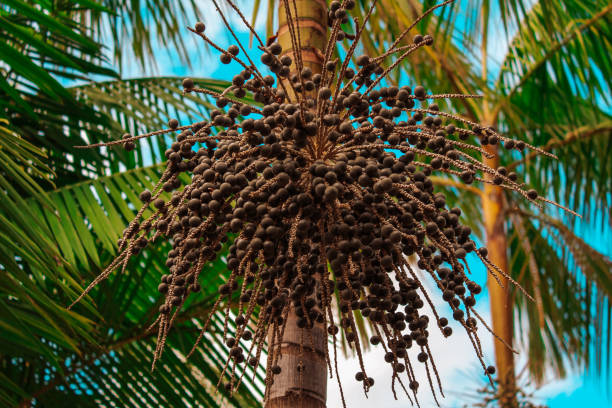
(501, 306)
(303, 378)
(312, 27)
(302, 381)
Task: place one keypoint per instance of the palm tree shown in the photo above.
(48, 251)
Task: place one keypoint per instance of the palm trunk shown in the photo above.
(501, 306)
(303, 378)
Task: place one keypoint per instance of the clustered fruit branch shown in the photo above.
(326, 188)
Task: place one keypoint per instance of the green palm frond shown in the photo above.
(45, 46)
(86, 220)
(41, 46)
(36, 41)
(563, 44)
(121, 377)
(581, 178)
(29, 258)
(138, 28)
(139, 106)
(567, 320)
(53, 244)
(552, 91)
(18, 155)
(136, 105)
(42, 251)
(130, 29)
(553, 88)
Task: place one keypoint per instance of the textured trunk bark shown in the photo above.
(312, 27)
(501, 306)
(303, 379)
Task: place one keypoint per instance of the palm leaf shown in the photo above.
(42, 251)
(101, 362)
(568, 323)
(43, 48)
(568, 41)
(143, 105)
(53, 243)
(137, 29)
(553, 94)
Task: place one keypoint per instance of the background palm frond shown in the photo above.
(112, 344)
(571, 284)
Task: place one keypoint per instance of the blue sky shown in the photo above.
(455, 358)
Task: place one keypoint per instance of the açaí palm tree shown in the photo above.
(548, 92)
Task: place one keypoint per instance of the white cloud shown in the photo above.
(565, 386)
